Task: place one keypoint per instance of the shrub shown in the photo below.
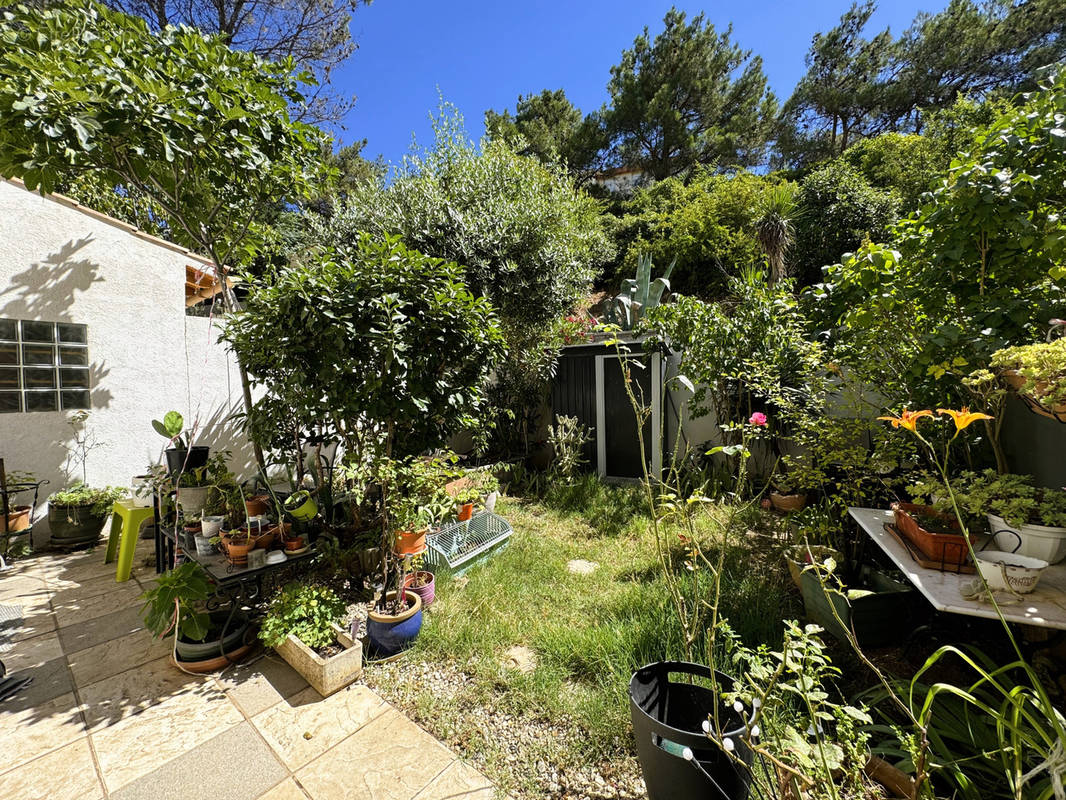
(306, 612)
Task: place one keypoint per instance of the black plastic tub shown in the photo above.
(668, 714)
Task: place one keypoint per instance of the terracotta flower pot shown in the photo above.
(237, 552)
(466, 511)
(1017, 381)
(410, 542)
(949, 548)
(294, 543)
(788, 502)
(259, 504)
(18, 519)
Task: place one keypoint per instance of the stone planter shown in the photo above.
(327, 675)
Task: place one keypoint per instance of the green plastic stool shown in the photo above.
(126, 521)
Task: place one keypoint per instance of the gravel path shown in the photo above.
(521, 754)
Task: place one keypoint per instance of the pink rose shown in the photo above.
(758, 418)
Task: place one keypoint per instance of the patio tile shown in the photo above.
(63, 774)
(258, 685)
(113, 699)
(144, 742)
(28, 731)
(306, 725)
(235, 765)
(101, 629)
(72, 608)
(50, 680)
(78, 567)
(27, 653)
(64, 588)
(286, 790)
(117, 655)
(458, 781)
(19, 589)
(389, 759)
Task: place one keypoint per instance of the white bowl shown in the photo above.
(1010, 571)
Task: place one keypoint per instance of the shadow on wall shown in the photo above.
(46, 290)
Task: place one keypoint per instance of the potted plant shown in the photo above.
(301, 506)
(301, 624)
(792, 482)
(76, 515)
(392, 625)
(935, 533)
(465, 499)
(237, 544)
(410, 521)
(17, 516)
(1021, 515)
(421, 582)
(183, 455)
(1037, 372)
(203, 641)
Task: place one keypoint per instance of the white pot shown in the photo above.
(1038, 541)
(211, 525)
(1010, 571)
(141, 491)
(490, 501)
(192, 498)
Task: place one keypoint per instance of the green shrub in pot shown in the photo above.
(76, 514)
(1036, 370)
(1015, 498)
(305, 611)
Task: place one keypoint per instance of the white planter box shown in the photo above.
(327, 675)
(1038, 541)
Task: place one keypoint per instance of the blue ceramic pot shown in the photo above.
(389, 633)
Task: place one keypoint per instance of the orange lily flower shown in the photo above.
(962, 418)
(908, 419)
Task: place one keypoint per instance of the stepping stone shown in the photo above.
(580, 566)
(521, 659)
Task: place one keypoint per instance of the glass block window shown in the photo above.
(44, 366)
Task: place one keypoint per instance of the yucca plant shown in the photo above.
(775, 227)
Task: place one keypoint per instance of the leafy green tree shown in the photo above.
(978, 268)
(550, 128)
(972, 49)
(379, 340)
(834, 103)
(201, 131)
(705, 223)
(529, 240)
(316, 34)
(839, 210)
(775, 228)
(690, 96)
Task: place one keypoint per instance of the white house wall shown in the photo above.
(59, 263)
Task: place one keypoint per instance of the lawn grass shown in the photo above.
(589, 633)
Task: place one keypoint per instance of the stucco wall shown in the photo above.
(61, 264)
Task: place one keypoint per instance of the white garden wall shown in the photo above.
(60, 262)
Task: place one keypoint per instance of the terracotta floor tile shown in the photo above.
(391, 758)
(306, 724)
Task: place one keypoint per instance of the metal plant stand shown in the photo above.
(458, 546)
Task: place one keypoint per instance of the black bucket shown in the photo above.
(668, 717)
(179, 461)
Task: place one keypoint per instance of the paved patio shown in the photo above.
(108, 716)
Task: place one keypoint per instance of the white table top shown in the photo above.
(1045, 607)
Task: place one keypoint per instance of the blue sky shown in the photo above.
(483, 54)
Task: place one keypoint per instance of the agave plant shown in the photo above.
(638, 294)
